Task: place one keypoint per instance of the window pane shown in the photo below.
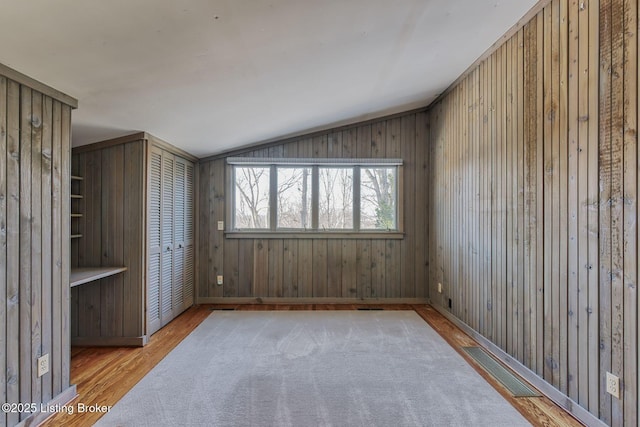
(252, 197)
(378, 198)
(294, 197)
(335, 198)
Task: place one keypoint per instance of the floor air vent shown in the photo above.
(223, 309)
(370, 309)
(510, 381)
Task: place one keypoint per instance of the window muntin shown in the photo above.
(314, 195)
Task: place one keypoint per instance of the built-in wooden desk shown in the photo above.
(83, 275)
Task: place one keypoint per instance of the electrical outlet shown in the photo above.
(220, 279)
(439, 288)
(43, 364)
(613, 385)
(220, 225)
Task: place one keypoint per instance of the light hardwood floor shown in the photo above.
(103, 375)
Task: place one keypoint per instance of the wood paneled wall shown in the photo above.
(321, 268)
(532, 221)
(34, 244)
(112, 229)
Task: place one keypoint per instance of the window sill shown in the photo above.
(397, 235)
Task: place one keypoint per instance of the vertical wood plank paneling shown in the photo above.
(629, 277)
(334, 268)
(558, 117)
(290, 268)
(245, 273)
(13, 247)
(419, 215)
(561, 354)
(520, 190)
(261, 268)
(275, 268)
(605, 175)
(216, 206)
(581, 314)
(320, 265)
(36, 239)
(540, 179)
(205, 228)
(231, 269)
(549, 109)
(25, 247)
(65, 194)
(594, 205)
(134, 235)
(56, 253)
(3, 243)
(34, 246)
(305, 268)
(573, 206)
(617, 200)
(47, 239)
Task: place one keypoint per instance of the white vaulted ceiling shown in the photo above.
(212, 75)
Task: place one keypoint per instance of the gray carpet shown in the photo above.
(313, 368)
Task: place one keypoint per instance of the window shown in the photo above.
(335, 198)
(294, 197)
(314, 196)
(252, 197)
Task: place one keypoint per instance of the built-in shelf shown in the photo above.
(76, 196)
(76, 215)
(76, 178)
(76, 236)
(84, 275)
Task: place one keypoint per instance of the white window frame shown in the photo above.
(315, 164)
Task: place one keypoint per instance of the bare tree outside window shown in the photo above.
(378, 198)
(294, 197)
(252, 197)
(335, 198)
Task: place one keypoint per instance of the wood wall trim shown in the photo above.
(109, 341)
(101, 145)
(23, 79)
(545, 388)
(319, 300)
(137, 136)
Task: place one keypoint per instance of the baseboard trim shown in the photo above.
(318, 300)
(544, 387)
(110, 341)
(61, 399)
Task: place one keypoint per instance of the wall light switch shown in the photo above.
(220, 279)
(439, 288)
(220, 225)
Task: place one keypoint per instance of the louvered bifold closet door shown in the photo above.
(179, 235)
(154, 235)
(166, 291)
(189, 262)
